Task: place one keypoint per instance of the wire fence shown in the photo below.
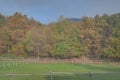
(82, 60)
(63, 76)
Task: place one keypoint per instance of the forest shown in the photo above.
(93, 37)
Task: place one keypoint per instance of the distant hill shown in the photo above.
(75, 19)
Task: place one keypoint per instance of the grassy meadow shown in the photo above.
(33, 71)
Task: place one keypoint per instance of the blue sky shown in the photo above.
(47, 11)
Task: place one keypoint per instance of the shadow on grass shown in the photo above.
(96, 68)
(85, 77)
(67, 77)
(64, 77)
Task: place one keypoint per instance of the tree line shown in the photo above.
(93, 37)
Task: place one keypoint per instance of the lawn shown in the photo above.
(35, 69)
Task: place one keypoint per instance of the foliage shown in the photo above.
(97, 37)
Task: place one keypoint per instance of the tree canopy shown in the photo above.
(97, 37)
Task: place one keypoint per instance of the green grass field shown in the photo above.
(35, 69)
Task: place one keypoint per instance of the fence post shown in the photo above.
(90, 75)
(51, 76)
(11, 76)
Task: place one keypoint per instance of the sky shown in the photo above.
(47, 11)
